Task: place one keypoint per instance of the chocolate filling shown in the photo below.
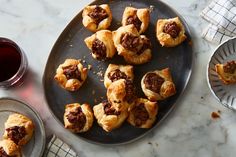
(72, 72)
(153, 82)
(230, 67)
(134, 20)
(140, 114)
(172, 29)
(130, 91)
(77, 118)
(146, 45)
(3, 153)
(99, 49)
(98, 14)
(16, 133)
(116, 75)
(108, 108)
(130, 42)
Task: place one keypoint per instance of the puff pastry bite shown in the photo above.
(108, 116)
(138, 17)
(135, 48)
(78, 118)
(227, 72)
(143, 113)
(116, 72)
(158, 85)
(121, 92)
(9, 149)
(71, 74)
(97, 17)
(170, 32)
(101, 45)
(19, 129)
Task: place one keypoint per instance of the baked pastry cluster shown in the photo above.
(101, 45)
(78, 118)
(18, 131)
(170, 32)
(227, 72)
(71, 74)
(97, 17)
(158, 84)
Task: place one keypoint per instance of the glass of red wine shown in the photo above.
(13, 63)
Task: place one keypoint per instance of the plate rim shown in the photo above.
(41, 124)
(207, 73)
(187, 29)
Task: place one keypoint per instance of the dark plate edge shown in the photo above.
(38, 117)
(164, 117)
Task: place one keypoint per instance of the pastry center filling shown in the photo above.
(16, 133)
(3, 153)
(153, 82)
(116, 75)
(130, 91)
(130, 42)
(108, 109)
(146, 44)
(140, 114)
(77, 118)
(72, 72)
(229, 67)
(134, 20)
(172, 29)
(98, 14)
(99, 49)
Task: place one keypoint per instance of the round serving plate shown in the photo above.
(36, 145)
(225, 94)
(70, 44)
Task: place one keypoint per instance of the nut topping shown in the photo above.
(153, 82)
(172, 29)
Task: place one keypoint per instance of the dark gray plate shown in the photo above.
(71, 44)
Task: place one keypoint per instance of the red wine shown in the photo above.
(10, 60)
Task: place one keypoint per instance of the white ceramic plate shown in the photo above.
(36, 145)
(226, 94)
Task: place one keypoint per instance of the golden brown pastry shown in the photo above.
(9, 149)
(121, 92)
(135, 48)
(97, 17)
(158, 84)
(78, 118)
(108, 116)
(139, 17)
(170, 32)
(101, 45)
(19, 129)
(116, 72)
(227, 72)
(71, 74)
(143, 113)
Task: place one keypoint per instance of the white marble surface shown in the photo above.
(189, 131)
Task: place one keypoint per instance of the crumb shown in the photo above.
(101, 97)
(93, 92)
(100, 73)
(150, 143)
(94, 72)
(190, 43)
(84, 57)
(130, 5)
(201, 97)
(95, 101)
(83, 61)
(151, 8)
(215, 115)
(71, 45)
(101, 80)
(89, 67)
(219, 111)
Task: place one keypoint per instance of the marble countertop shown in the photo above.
(189, 131)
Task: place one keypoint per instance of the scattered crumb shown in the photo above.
(151, 8)
(150, 143)
(93, 92)
(95, 101)
(130, 5)
(83, 61)
(118, 23)
(100, 73)
(84, 57)
(71, 45)
(201, 97)
(101, 97)
(94, 72)
(190, 43)
(215, 115)
(102, 80)
(89, 67)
